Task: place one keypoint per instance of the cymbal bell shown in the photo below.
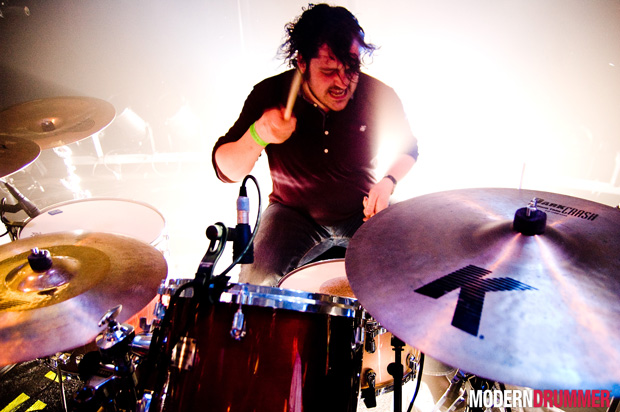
(16, 153)
(48, 310)
(448, 274)
(56, 121)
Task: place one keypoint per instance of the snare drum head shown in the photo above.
(124, 217)
(327, 277)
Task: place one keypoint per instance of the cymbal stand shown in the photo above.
(54, 363)
(62, 388)
(397, 371)
(454, 395)
(613, 405)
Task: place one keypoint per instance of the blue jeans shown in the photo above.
(288, 239)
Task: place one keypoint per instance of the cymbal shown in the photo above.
(56, 121)
(58, 309)
(446, 273)
(16, 153)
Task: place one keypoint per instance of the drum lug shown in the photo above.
(411, 362)
(184, 353)
(144, 404)
(372, 330)
(369, 394)
(358, 339)
(237, 331)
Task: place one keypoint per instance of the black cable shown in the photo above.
(418, 383)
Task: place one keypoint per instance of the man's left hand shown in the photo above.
(378, 198)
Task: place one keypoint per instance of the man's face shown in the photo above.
(326, 81)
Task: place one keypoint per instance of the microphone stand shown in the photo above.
(23, 203)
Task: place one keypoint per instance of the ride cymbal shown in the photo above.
(56, 121)
(53, 309)
(16, 153)
(448, 274)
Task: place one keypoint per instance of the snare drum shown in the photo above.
(297, 350)
(124, 217)
(329, 277)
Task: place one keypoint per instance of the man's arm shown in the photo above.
(379, 195)
(236, 159)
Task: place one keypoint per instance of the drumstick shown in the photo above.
(292, 95)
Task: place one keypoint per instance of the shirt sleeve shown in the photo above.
(264, 95)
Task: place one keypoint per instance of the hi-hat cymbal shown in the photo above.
(16, 153)
(58, 309)
(56, 121)
(446, 273)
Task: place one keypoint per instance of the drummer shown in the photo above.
(322, 156)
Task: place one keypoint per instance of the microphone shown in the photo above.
(28, 207)
(243, 232)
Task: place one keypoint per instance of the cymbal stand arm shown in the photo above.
(613, 405)
(62, 387)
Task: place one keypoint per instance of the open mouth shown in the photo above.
(338, 93)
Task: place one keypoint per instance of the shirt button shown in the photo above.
(326, 132)
(326, 150)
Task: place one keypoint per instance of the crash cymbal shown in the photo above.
(57, 309)
(56, 121)
(16, 153)
(448, 274)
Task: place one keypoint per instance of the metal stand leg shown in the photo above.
(397, 371)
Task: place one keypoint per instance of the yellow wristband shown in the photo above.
(256, 137)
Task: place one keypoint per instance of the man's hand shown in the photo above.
(273, 128)
(378, 198)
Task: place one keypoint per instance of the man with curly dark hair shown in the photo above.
(321, 151)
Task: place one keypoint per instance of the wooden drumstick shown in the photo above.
(292, 94)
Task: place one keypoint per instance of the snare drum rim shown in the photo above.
(278, 298)
(309, 265)
(160, 238)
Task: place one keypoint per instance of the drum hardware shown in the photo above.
(203, 291)
(373, 329)
(237, 331)
(329, 277)
(12, 227)
(63, 395)
(90, 272)
(397, 371)
(23, 203)
(454, 396)
(183, 354)
(557, 289)
(109, 373)
(16, 153)
(56, 121)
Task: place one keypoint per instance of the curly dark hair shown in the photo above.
(321, 24)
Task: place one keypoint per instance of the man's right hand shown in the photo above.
(273, 128)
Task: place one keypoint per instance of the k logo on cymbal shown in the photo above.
(471, 297)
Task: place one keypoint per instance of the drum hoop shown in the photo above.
(248, 294)
(162, 236)
(307, 266)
